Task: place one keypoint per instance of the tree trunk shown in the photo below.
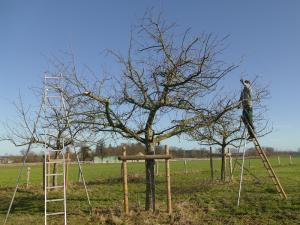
(54, 171)
(150, 179)
(223, 162)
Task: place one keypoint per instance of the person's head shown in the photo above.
(245, 82)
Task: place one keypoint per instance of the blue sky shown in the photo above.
(265, 34)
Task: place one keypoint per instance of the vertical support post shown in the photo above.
(230, 165)
(125, 183)
(168, 181)
(79, 171)
(249, 164)
(225, 165)
(157, 167)
(67, 162)
(291, 162)
(28, 177)
(44, 166)
(185, 167)
(278, 158)
(48, 180)
(211, 164)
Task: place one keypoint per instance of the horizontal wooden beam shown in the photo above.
(144, 157)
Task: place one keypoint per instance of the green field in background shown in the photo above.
(196, 200)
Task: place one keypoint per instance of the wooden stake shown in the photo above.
(230, 165)
(28, 177)
(278, 157)
(185, 167)
(168, 181)
(44, 167)
(67, 161)
(125, 183)
(48, 180)
(156, 168)
(79, 172)
(211, 164)
(291, 162)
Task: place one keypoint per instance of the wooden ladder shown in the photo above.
(266, 161)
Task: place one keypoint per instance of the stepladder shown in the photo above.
(265, 160)
(55, 186)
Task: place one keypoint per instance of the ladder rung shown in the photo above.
(55, 200)
(55, 161)
(54, 187)
(53, 77)
(52, 87)
(53, 106)
(53, 96)
(56, 213)
(54, 174)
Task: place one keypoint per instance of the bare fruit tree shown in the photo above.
(49, 129)
(166, 87)
(229, 129)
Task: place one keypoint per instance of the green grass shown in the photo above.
(196, 200)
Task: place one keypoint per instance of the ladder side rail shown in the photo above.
(271, 171)
(64, 184)
(267, 163)
(45, 183)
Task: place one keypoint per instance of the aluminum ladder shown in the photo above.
(54, 102)
(265, 160)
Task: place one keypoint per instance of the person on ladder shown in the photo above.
(246, 102)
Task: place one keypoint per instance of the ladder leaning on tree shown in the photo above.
(265, 160)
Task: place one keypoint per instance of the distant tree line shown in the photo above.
(87, 153)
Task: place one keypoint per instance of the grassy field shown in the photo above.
(196, 200)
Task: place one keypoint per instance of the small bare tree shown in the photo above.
(52, 129)
(228, 130)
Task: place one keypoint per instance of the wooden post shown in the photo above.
(48, 180)
(249, 163)
(211, 164)
(125, 183)
(28, 177)
(230, 165)
(185, 167)
(44, 167)
(67, 162)
(168, 181)
(79, 172)
(291, 162)
(156, 168)
(278, 158)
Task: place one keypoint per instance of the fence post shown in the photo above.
(44, 167)
(291, 162)
(230, 165)
(48, 180)
(185, 167)
(278, 158)
(211, 164)
(67, 162)
(156, 167)
(28, 177)
(125, 183)
(168, 181)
